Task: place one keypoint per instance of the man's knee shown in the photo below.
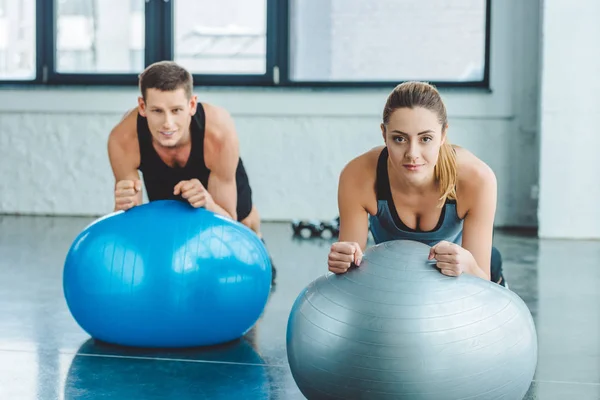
(247, 221)
(252, 221)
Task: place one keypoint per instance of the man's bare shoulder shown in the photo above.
(221, 145)
(123, 147)
(124, 135)
(220, 126)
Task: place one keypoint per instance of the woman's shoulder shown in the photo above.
(473, 174)
(363, 167)
(357, 181)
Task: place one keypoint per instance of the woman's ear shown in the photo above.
(444, 132)
(383, 132)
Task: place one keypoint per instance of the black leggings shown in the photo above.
(496, 267)
(244, 192)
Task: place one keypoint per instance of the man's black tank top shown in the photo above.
(159, 178)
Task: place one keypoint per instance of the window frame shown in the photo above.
(159, 16)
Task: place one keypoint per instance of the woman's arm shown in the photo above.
(479, 222)
(477, 189)
(354, 222)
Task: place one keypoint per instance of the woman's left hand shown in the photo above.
(452, 259)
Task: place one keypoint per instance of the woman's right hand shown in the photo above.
(342, 255)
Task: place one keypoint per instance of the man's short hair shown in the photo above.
(166, 76)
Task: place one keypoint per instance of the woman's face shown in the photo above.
(413, 137)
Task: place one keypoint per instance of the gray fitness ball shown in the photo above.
(396, 328)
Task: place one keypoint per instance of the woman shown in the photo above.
(419, 187)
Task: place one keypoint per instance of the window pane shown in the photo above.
(104, 36)
(17, 40)
(387, 40)
(221, 37)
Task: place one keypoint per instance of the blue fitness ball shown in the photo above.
(165, 274)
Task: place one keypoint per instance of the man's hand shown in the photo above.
(195, 193)
(126, 194)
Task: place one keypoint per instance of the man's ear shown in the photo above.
(142, 106)
(193, 105)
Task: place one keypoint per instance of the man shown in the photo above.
(186, 150)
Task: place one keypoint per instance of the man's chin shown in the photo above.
(167, 142)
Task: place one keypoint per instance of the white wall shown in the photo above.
(570, 104)
(294, 142)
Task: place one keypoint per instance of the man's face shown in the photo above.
(169, 114)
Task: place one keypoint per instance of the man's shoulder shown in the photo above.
(123, 137)
(220, 126)
(220, 139)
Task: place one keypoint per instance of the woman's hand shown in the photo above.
(342, 255)
(452, 259)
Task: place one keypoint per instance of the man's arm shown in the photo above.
(124, 160)
(222, 158)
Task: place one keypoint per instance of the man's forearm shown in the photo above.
(217, 209)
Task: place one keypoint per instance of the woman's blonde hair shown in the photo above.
(422, 94)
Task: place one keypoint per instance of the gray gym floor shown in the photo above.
(45, 355)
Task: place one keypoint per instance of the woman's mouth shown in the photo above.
(412, 167)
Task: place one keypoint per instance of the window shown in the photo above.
(98, 37)
(17, 40)
(137, 6)
(387, 40)
(247, 42)
(76, 7)
(224, 37)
